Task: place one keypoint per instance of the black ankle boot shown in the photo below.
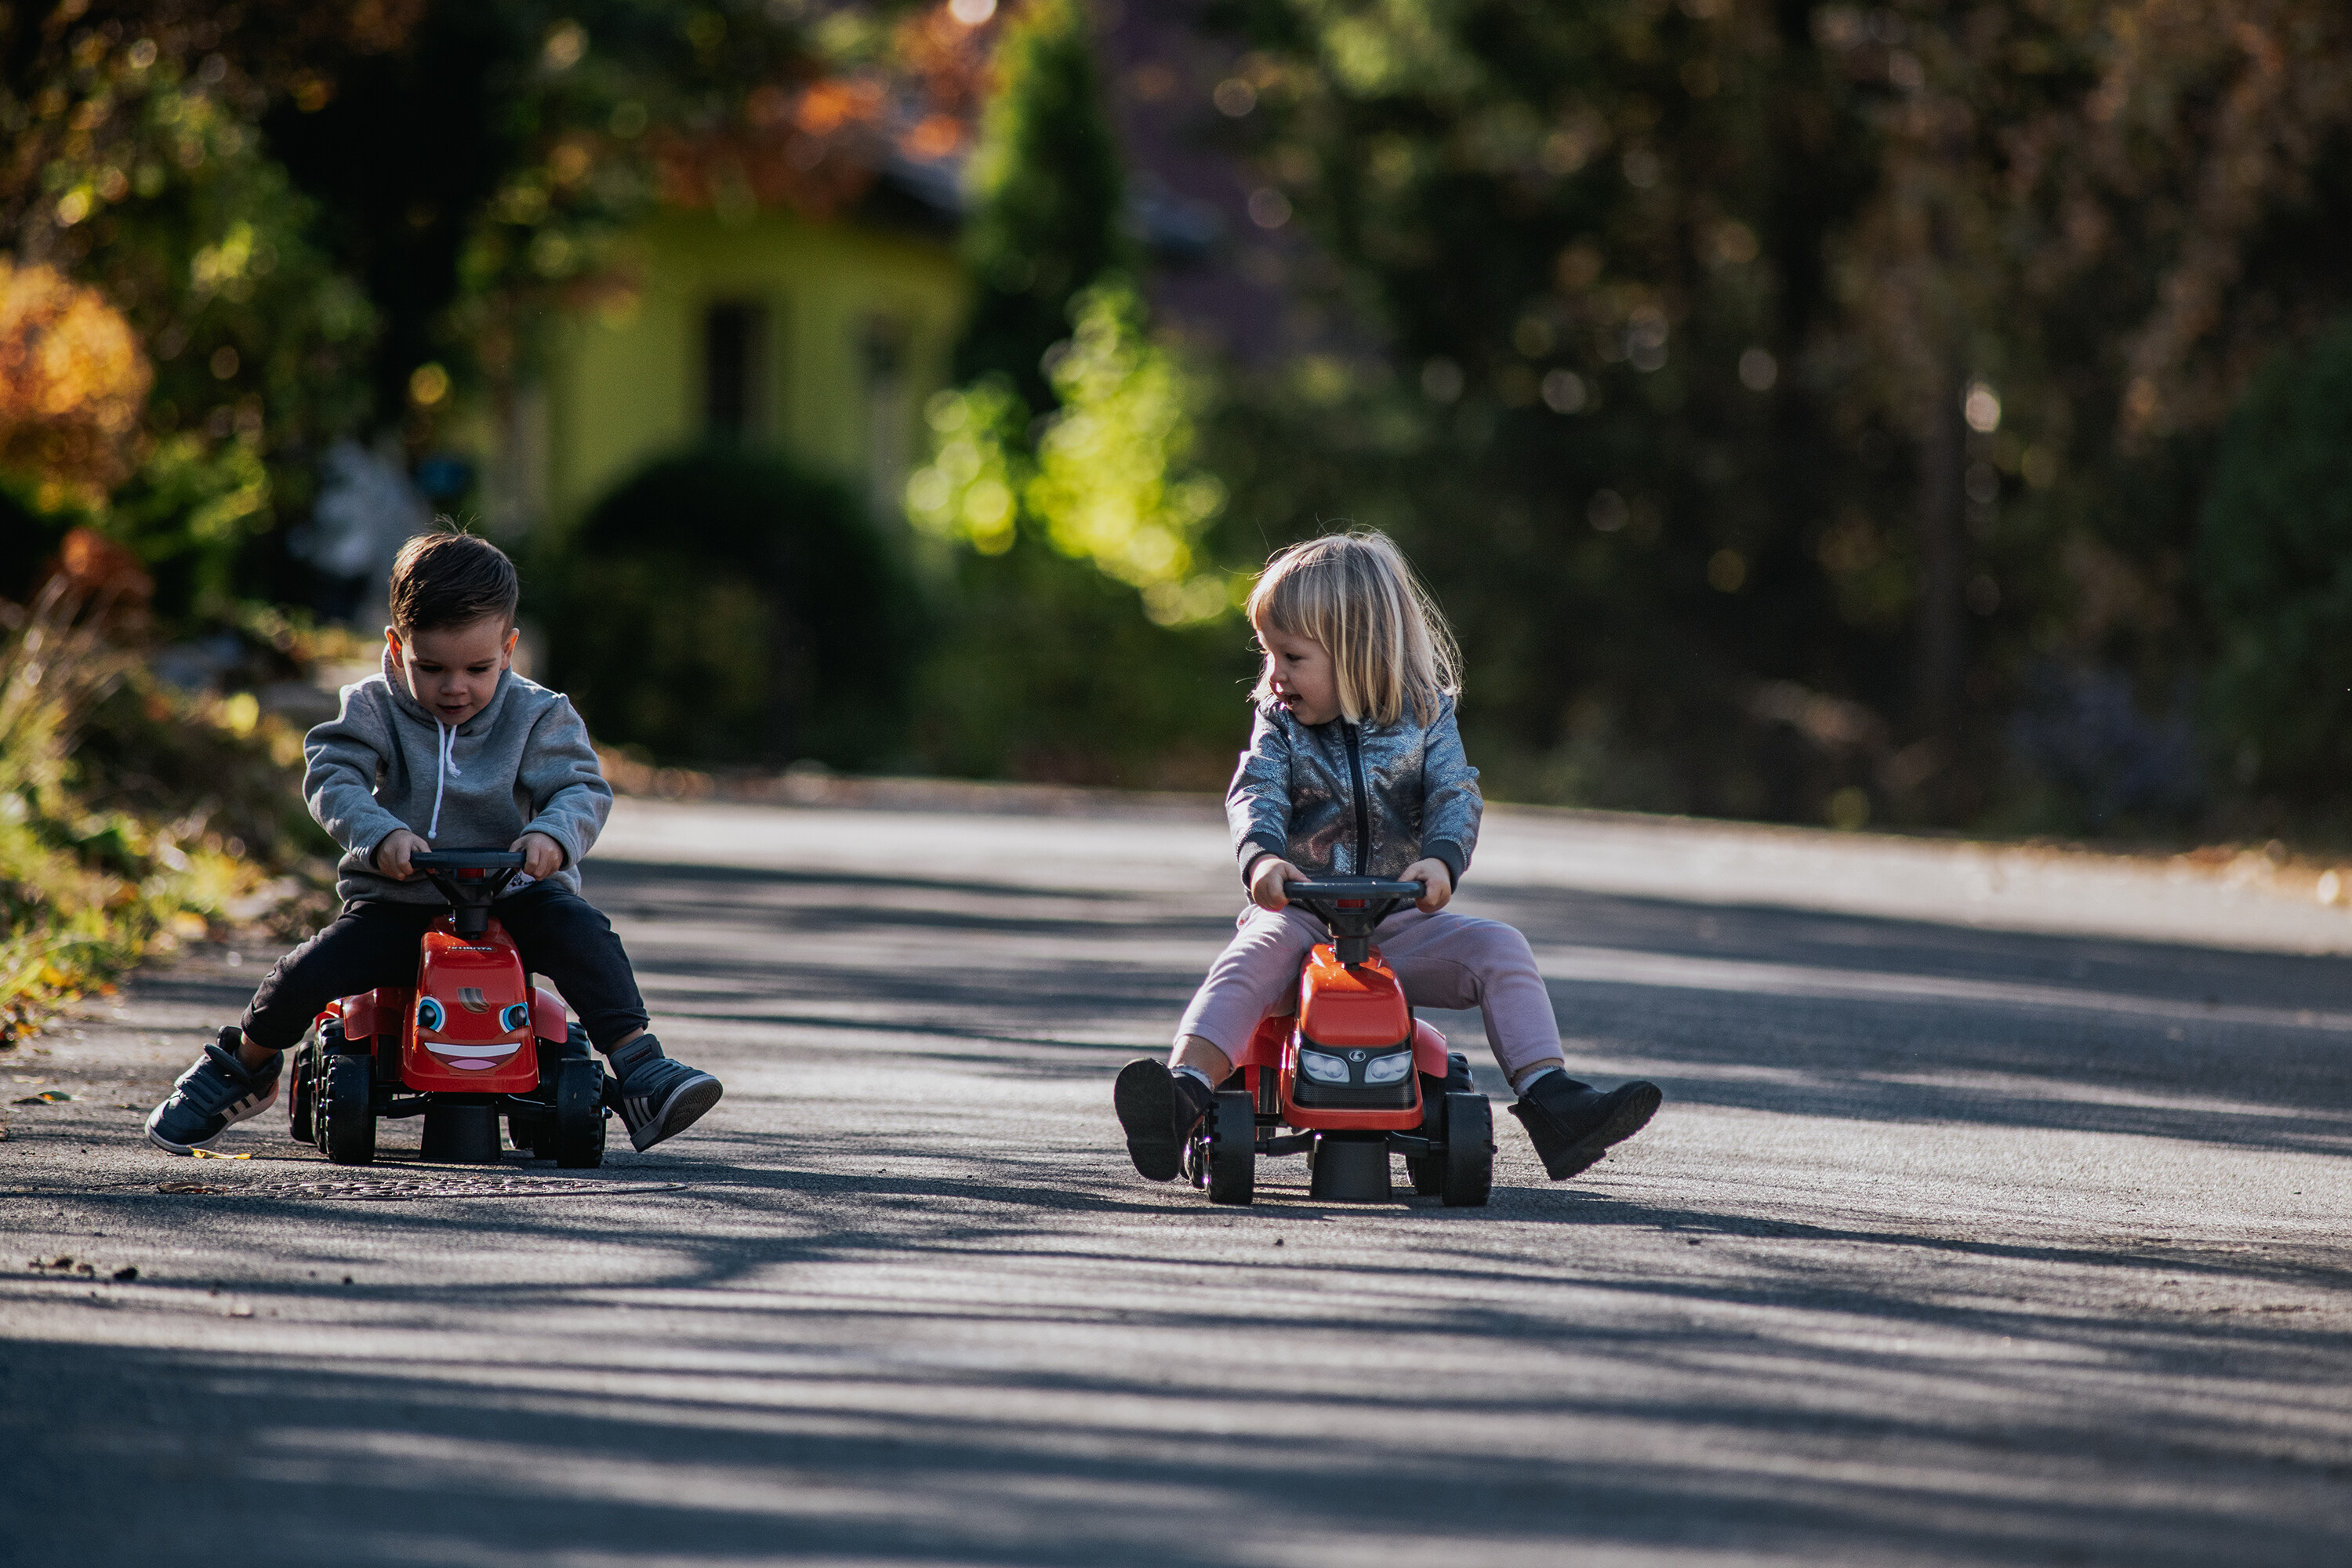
(1159, 1110)
(1572, 1124)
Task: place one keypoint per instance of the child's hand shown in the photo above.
(541, 857)
(391, 855)
(1438, 888)
(1267, 879)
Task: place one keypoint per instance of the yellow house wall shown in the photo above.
(624, 379)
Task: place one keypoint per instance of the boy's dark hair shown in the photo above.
(451, 578)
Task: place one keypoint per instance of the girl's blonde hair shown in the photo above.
(1355, 593)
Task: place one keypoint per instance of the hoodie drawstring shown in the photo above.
(449, 754)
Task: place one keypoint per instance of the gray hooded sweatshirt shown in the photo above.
(523, 764)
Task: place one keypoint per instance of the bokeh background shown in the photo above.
(1929, 415)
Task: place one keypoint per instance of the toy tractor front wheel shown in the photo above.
(1232, 1163)
(346, 1111)
(1469, 1174)
(577, 1141)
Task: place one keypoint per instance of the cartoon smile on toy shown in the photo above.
(472, 1055)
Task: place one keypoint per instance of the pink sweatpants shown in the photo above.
(1443, 961)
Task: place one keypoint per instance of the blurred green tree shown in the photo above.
(134, 164)
(1047, 195)
(1770, 390)
(1066, 469)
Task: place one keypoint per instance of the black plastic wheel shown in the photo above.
(303, 1089)
(1469, 1151)
(577, 1136)
(347, 1110)
(1233, 1148)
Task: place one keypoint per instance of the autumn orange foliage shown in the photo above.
(73, 379)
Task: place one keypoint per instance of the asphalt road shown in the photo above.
(1996, 1216)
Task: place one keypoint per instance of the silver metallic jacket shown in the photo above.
(1342, 799)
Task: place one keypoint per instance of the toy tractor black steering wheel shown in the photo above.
(1353, 907)
(469, 879)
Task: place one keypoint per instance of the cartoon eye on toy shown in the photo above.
(428, 1014)
(515, 1017)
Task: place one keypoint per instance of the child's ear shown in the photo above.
(392, 641)
(514, 636)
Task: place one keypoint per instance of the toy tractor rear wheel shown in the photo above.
(1427, 1172)
(347, 1110)
(1232, 1148)
(1469, 1151)
(577, 1135)
(526, 1130)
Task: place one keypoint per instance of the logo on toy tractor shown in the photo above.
(470, 999)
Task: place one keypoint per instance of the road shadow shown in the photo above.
(753, 1413)
(2187, 1068)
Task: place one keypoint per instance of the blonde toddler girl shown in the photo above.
(1354, 768)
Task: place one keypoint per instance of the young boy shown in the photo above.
(447, 747)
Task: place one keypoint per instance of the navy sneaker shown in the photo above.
(1572, 1124)
(213, 1096)
(658, 1098)
(1159, 1110)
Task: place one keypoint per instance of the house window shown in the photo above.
(734, 340)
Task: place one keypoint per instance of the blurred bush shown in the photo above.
(2275, 561)
(1044, 670)
(727, 607)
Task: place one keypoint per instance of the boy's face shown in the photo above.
(454, 670)
(1303, 676)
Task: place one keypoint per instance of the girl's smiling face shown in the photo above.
(1302, 674)
(454, 670)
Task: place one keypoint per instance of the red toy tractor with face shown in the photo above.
(471, 1040)
(1353, 1071)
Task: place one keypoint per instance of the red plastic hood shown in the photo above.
(1358, 1006)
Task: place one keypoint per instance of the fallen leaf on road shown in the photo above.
(208, 1154)
(47, 1097)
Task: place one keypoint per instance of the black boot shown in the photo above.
(1158, 1108)
(1572, 1124)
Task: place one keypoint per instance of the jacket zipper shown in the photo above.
(1363, 811)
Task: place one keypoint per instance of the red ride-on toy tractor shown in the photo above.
(1353, 1070)
(473, 1039)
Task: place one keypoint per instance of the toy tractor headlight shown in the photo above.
(1389, 1069)
(428, 1014)
(1321, 1067)
(516, 1016)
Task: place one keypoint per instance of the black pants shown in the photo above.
(373, 943)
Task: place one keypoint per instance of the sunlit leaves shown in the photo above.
(1112, 480)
